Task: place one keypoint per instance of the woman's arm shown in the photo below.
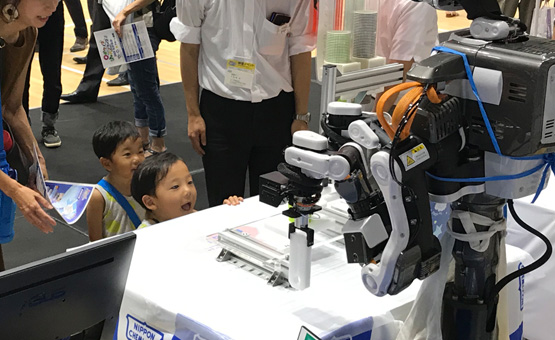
(23, 135)
(29, 202)
(12, 107)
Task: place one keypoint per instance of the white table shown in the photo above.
(539, 297)
(174, 272)
(175, 283)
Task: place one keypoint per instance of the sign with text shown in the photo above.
(134, 45)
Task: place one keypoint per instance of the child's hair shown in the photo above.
(150, 173)
(107, 137)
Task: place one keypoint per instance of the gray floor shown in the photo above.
(75, 161)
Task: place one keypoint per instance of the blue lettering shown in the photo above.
(143, 333)
(521, 287)
(132, 335)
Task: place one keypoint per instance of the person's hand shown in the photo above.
(30, 202)
(118, 21)
(43, 168)
(32, 181)
(298, 125)
(197, 133)
(233, 200)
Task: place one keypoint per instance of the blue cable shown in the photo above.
(549, 159)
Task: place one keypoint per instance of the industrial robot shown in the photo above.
(476, 130)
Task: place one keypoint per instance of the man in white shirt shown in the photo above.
(252, 60)
(407, 32)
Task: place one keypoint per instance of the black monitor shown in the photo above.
(67, 293)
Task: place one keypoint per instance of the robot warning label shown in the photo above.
(415, 156)
(137, 330)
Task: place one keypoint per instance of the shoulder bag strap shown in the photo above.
(122, 201)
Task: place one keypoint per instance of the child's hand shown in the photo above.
(233, 200)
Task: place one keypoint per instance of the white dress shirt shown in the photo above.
(406, 30)
(240, 30)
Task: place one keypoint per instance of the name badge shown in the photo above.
(239, 74)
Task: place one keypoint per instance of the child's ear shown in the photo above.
(149, 202)
(106, 163)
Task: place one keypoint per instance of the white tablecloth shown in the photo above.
(174, 279)
(539, 296)
(175, 283)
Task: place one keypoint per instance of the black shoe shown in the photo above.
(78, 97)
(50, 137)
(80, 45)
(80, 60)
(121, 80)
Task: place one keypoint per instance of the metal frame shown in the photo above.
(335, 84)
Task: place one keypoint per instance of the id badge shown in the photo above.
(239, 73)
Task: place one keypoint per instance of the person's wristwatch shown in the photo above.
(303, 117)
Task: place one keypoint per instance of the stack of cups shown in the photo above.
(365, 24)
(338, 47)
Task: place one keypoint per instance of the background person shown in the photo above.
(407, 32)
(87, 91)
(243, 123)
(50, 43)
(150, 116)
(75, 10)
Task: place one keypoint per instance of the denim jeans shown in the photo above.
(145, 85)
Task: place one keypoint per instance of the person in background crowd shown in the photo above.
(525, 10)
(150, 116)
(87, 91)
(407, 32)
(50, 43)
(77, 16)
(252, 60)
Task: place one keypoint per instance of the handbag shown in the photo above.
(542, 20)
(162, 16)
(7, 205)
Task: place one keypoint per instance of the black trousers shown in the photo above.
(78, 17)
(51, 48)
(90, 83)
(243, 136)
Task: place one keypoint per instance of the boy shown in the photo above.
(112, 210)
(164, 187)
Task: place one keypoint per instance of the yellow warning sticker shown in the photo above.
(415, 156)
(418, 148)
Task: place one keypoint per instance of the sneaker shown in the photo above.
(50, 137)
(80, 44)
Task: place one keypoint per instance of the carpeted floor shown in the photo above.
(75, 161)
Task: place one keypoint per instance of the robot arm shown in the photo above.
(390, 229)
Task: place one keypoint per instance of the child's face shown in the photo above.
(176, 194)
(126, 158)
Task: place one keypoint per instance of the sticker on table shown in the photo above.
(138, 330)
(306, 334)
